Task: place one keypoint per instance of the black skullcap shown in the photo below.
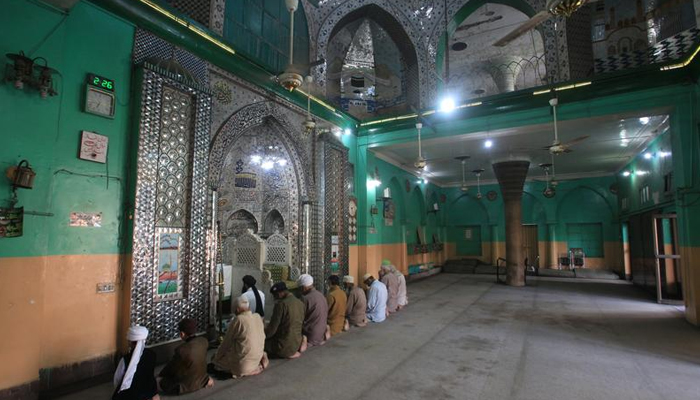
(278, 287)
(334, 280)
(249, 281)
(188, 326)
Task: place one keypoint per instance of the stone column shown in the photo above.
(511, 178)
(553, 261)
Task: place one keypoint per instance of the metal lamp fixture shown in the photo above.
(22, 72)
(309, 122)
(564, 7)
(478, 173)
(549, 191)
(463, 187)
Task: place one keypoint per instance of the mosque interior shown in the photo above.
(155, 151)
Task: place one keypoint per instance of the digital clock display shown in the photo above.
(100, 82)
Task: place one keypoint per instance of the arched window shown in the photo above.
(260, 30)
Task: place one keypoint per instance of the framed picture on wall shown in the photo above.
(168, 264)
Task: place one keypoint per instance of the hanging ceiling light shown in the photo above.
(463, 159)
(309, 122)
(549, 190)
(564, 7)
(420, 162)
(478, 173)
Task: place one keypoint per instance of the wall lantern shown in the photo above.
(25, 71)
(21, 175)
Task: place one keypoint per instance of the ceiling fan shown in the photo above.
(463, 187)
(293, 75)
(557, 147)
(554, 8)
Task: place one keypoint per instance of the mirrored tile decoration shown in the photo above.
(172, 171)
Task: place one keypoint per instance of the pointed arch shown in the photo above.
(396, 24)
(471, 203)
(248, 117)
(595, 203)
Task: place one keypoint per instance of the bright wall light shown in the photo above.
(488, 143)
(644, 120)
(267, 165)
(347, 131)
(648, 156)
(373, 183)
(447, 104)
(626, 173)
(255, 159)
(664, 153)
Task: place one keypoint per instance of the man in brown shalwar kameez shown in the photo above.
(337, 303)
(356, 310)
(315, 312)
(242, 353)
(284, 337)
(186, 372)
(392, 286)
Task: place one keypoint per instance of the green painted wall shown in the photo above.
(260, 29)
(411, 207)
(47, 132)
(648, 172)
(580, 201)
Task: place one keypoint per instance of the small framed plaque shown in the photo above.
(93, 147)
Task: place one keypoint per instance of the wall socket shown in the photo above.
(105, 287)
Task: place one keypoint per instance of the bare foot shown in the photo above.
(346, 326)
(295, 355)
(256, 372)
(210, 382)
(265, 362)
(327, 334)
(304, 344)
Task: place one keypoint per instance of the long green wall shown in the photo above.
(648, 172)
(411, 206)
(579, 201)
(46, 132)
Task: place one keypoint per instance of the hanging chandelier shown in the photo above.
(463, 159)
(478, 172)
(564, 7)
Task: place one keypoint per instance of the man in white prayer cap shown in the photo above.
(315, 327)
(134, 378)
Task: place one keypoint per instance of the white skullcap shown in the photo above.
(137, 333)
(385, 268)
(367, 276)
(306, 280)
(242, 302)
(348, 279)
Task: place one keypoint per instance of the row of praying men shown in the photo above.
(294, 326)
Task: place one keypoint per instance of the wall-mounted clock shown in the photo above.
(99, 96)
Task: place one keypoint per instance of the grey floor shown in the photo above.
(463, 337)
